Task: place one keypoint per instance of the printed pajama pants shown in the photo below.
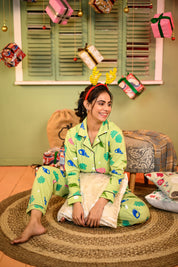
(50, 180)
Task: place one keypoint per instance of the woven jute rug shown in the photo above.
(154, 243)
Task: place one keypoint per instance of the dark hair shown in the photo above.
(80, 111)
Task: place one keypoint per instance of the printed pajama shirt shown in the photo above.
(107, 155)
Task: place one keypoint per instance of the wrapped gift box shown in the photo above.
(102, 6)
(90, 56)
(12, 55)
(55, 157)
(59, 11)
(162, 25)
(131, 85)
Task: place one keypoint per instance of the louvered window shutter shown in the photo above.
(139, 40)
(39, 63)
(70, 37)
(124, 40)
(106, 37)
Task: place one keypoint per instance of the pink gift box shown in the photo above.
(59, 11)
(12, 55)
(162, 25)
(131, 85)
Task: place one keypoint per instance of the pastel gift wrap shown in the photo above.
(55, 157)
(162, 25)
(12, 55)
(59, 11)
(90, 56)
(131, 85)
(102, 6)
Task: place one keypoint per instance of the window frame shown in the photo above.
(19, 70)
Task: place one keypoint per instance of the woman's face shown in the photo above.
(100, 108)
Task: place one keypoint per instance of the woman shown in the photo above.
(94, 145)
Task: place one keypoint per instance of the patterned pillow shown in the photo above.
(159, 200)
(167, 182)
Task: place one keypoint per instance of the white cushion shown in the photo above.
(161, 201)
(92, 186)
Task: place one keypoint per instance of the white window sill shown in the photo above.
(159, 82)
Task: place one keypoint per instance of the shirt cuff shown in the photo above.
(108, 195)
(73, 199)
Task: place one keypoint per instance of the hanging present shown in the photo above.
(12, 55)
(131, 85)
(90, 56)
(162, 25)
(55, 157)
(102, 6)
(59, 11)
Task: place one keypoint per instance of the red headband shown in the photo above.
(93, 87)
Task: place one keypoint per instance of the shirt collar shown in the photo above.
(83, 128)
(83, 132)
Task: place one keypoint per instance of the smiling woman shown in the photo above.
(95, 145)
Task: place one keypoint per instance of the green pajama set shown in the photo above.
(107, 155)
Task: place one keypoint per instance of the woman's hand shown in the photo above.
(78, 214)
(94, 216)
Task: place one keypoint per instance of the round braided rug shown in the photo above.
(154, 243)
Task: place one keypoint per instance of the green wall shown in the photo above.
(25, 110)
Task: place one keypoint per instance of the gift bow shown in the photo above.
(155, 20)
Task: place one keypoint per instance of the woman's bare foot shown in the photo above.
(62, 219)
(33, 228)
